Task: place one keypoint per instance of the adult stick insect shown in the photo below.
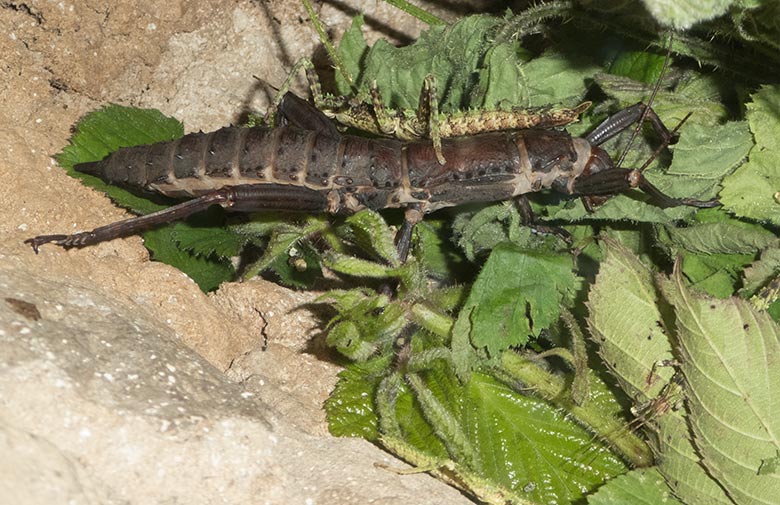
(307, 165)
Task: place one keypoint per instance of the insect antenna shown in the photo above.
(646, 111)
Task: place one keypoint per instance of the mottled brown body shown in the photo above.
(307, 165)
(340, 174)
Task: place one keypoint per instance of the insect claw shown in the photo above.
(37, 242)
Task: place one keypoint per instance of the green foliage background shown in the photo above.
(510, 364)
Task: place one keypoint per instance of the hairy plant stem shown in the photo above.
(553, 389)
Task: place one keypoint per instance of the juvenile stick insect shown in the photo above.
(307, 165)
(370, 114)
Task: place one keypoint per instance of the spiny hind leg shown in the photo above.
(241, 198)
(630, 116)
(424, 124)
(387, 122)
(428, 113)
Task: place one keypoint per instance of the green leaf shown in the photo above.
(716, 249)
(729, 354)
(638, 65)
(517, 294)
(352, 50)
(684, 14)
(762, 116)
(715, 274)
(602, 413)
(284, 236)
(515, 445)
(209, 240)
(643, 486)
(113, 126)
(548, 79)
(473, 69)
(625, 322)
(205, 271)
(372, 234)
(711, 152)
(350, 407)
(679, 463)
(484, 229)
(696, 95)
(454, 53)
(531, 448)
(104, 131)
(553, 78)
(752, 190)
(722, 238)
(761, 271)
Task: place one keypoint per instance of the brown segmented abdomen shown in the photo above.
(352, 172)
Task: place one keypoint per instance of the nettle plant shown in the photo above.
(514, 365)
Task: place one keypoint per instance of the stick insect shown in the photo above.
(307, 165)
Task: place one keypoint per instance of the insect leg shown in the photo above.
(668, 201)
(298, 112)
(623, 119)
(428, 114)
(271, 115)
(403, 239)
(617, 180)
(529, 220)
(425, 123)
(386, 123)
(322, 101)
(248, 197)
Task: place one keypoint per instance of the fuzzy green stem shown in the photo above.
(553, 389)
(423, 15)
(329, 48)
(580, 387)
(443, 422)
(436, 323)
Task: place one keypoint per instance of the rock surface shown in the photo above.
(121, 382)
